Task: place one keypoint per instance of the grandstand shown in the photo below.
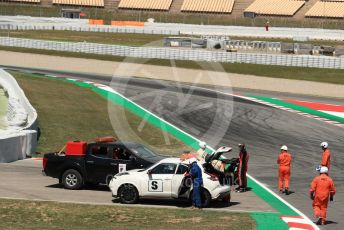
(189, 10)
(26, 1)
(163, 5)
(327, 9)
(206, 6)
(96, 3)
(275, 7)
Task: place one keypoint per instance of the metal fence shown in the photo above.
(178, 54)
(219, 30)
(90, 28)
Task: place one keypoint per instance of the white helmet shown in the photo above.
(317, 168)
(284, 147)
(324, 145)
(192, 160)
(323, 169)
(202, 145)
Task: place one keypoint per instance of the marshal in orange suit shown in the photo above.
(326, 156)
(284, 162)
(322, 188)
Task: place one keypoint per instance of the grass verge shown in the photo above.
(19, 214)
(96, 37)
(334, 76)
(128, 38)
(68, 112)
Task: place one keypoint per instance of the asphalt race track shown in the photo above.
(263, 129)
(24, 180)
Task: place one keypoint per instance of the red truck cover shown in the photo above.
(76, 148)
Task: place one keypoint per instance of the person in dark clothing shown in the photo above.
(197, 181)
(243, 166)
(267, 25)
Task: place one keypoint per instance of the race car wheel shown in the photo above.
(72, 179)
(206, 198)
(128, 194)
(227, 198)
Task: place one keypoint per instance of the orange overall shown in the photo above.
(284, 160)
(322, 187)
(326, 158)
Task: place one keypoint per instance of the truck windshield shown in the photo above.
(143, 151)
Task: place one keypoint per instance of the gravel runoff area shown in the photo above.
(167, 73)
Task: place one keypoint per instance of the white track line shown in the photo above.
(109, 89)
(336, 123)
(259, 183)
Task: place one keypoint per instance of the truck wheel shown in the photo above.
(71, 179)
(128, 194)
(206, 198)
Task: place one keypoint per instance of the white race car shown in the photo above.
(165, 179)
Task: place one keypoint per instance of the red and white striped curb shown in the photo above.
(98, 85)
(336, 123)
(294, 223)
(234, 95)
(297, 223)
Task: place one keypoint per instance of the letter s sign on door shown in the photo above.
(155, 186)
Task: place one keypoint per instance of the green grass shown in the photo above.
(19, 214)
(168, 17)
(127, 38)
(96, 37)
(69, 112)
(335, 76)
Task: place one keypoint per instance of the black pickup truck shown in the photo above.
(98, 163)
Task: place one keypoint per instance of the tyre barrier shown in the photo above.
(16, 115)
(19, 139)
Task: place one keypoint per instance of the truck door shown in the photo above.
(100, 166)
(159, 180)
(122, 155)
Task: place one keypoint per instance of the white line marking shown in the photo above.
(197, 140)
(259, 183)
(295, 220)
(286, 203)
(296, 229)
(71, 79)
(337, 114)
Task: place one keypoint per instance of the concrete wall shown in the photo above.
(41, 23)
(19, 140)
